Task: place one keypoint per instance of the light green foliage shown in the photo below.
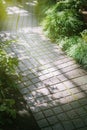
(75, 47)
(84, 35)
(79, 52)
(66, 42)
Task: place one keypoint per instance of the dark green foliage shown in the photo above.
(7, 71)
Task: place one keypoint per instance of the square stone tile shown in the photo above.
(57, 110)
(61, 87)
(47, 128)
(43, 123)
(40, 100)
(85, 107)
(84, 128)
(48, 113)
(78, 123)
(24, 79)
(66, 93)
(44, 106)
(80, 80)
(70, 98)
(58, 126)
(69, 84)
(28, 83)
(81, 111)
(83, 101)
(35, 80)
(79, 95)
(75, 104)
(62, 78)
(68, 125)
(48, 98)
(36, 94)
(53, 89)
(56, 73)
(75, 90)
(52, 120)
(72, 114)
(40, 85)
(39, 116)
(20, 85)
(57, 95)
(62, 117)
(34, 109)
(43, 91)
(84, 87)
(31, 76)
(85, 120)
(63, 100)
(54, 80)
(29, 96)
(66, 107)
(32, 88)
(74, 73)
(24, 90)
(65, 64)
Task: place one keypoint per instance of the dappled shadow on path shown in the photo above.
(53, 85)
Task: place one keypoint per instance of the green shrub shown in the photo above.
(64, 23)
(71, 4)
(67, 42)
(7, 70)
(79, 53)
(75, 47)
(84, 35)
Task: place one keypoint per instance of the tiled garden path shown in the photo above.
(53, 85)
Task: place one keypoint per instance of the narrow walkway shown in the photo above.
(53, 85)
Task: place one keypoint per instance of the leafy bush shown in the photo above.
(84, 35)
(67, 42)
(71, 4)
(7, 70)
(79, 53)
(65, 23)
(75, 47)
